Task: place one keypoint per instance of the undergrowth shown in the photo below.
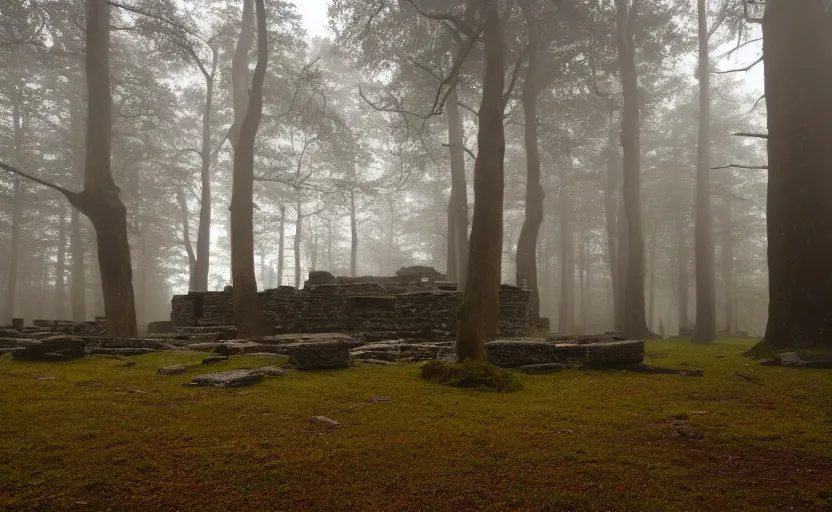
(470, 374)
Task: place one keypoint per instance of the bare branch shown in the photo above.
(736, 48)
(455, 20)
(385, 108)
(747, 134)
(469, 109)
(514, 76)
(720, 18)
(739, 70)
(761, 98)
(738, 166)
(470, 153)
(70, 195)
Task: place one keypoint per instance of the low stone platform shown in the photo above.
(588, 353)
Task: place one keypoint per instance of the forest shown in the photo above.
(596, 186)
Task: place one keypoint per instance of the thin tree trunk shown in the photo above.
(281, 245)
(582, 272)
(705, 331)
(60, 269)
(459, 187)
(611, 192)
(203, 236)
(651, 315)
(451, 267)
(566, 313)
(623, 253)
(480, 307)
(682, 258)
(297, 240)
(354, 236)
(728, 266)
(246, 303)
(527, 243)
(314, 251)
(17, 208)
(186, 239)
(634, 315)
(78, 284)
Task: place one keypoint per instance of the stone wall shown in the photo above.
(427, 310)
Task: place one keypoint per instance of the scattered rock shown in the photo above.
(791, 359)
(174, 369)
(769, 362)
(228, 379)
(323, 420)
(542, 368)
(53, 348)
(377, 362)
(271, 371)
(320, 356)
(214, 359)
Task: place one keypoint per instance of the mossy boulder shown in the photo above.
(477, 375)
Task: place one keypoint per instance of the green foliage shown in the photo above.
(575, 440)
(477, 375)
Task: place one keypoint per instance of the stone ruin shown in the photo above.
(416, 303)
(333, 322)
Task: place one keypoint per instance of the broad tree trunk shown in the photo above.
(728, 265)
(203, 236)
(459, 188)
(329, 266)
(354, 236)
(566, 313)
(623, 253)
(246, 303)
(17, 208)
(239, 73)
(281, 245)
(705, 331)
(797, 44)
(527, 243)
(682, 259)
(60, 269)
(611, 192)
(582, 273)
(651, 314)
(481, 304)
(634, 314)
(78, 283)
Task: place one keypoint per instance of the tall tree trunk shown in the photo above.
(634, 314)
(651, 314)
(481, 304)
(203, 236)
(281, 245)
(78, 284)
(728, 265)
(566, 314)
(611, 192)
(100, 200)
(705, 331)
(354, 236)
(17, 208)
(451, 267)
(527, 243)
(582, 273)
(239, 72)
(459, 188)
(623, 253)
(314, 251)
(797, 44)
(297, 240)
(186, 239)
(60, 270)
(682, 258)
(246, 303)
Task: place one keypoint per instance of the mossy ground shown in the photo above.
(574, 440)
(476, 375)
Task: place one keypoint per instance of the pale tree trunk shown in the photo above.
(527, 243)
(186, 239)
(239, 72)
(582, 273)
(634, 314)
(480, 307)
(705, 331)
(78, 284)
(297, 240)
(566, 313)
(203, 236)
(314, 251)
(60, 269)
(651, 315)
(451, 267)
(354, 236)
(623, 253)
(246, 303)
(263, 275)
(281, 244)
(329, 245)
(611, 192)
(682, 270)
(728, 265)
(797, 44)
(17, 208)
(458, 207)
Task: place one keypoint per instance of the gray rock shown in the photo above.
(174, 369)
(377, 362)
(323, 420)
(542, 368)
(791, 359)
(53, 348)
(271, 371)
(319, 356)
(228, 379)
(214, 359)
(516, 353)
(122, 351)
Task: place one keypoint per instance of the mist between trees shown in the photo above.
(609, 155)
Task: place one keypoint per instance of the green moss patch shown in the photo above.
(100, 436)
(470, 374)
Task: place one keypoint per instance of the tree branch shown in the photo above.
(747, 134)
(457, 21)
(738, 166)
(71, 196)
(470, 153)
(739, 70)
(514, 75)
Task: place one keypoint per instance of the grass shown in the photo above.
(471, 375)
(575, 440)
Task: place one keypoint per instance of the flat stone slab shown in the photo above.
(227, 379)
(174, 369)
(214, 359)
(283, 339)
(534, 351)
(271, 371)
(52, 348)
(122, 351)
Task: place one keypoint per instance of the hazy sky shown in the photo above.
(314, 15)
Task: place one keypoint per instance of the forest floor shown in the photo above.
(102, 437)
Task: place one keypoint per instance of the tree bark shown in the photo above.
(78, 284)
(246, 303)
(203, 236)
(634, 315)
(480, 307)
(459, 189)
(611, 192)
(566, 312)
(651, 315)
(60, 269)
(705, 331)
(728, 265)
(281, 245)
(682, 258)
(451, 271)
(239, 73)
(297, 239)
(17, 208)
(527, 243)
(623, 253)
(797, 44)
(354, 236)
(186, 239)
